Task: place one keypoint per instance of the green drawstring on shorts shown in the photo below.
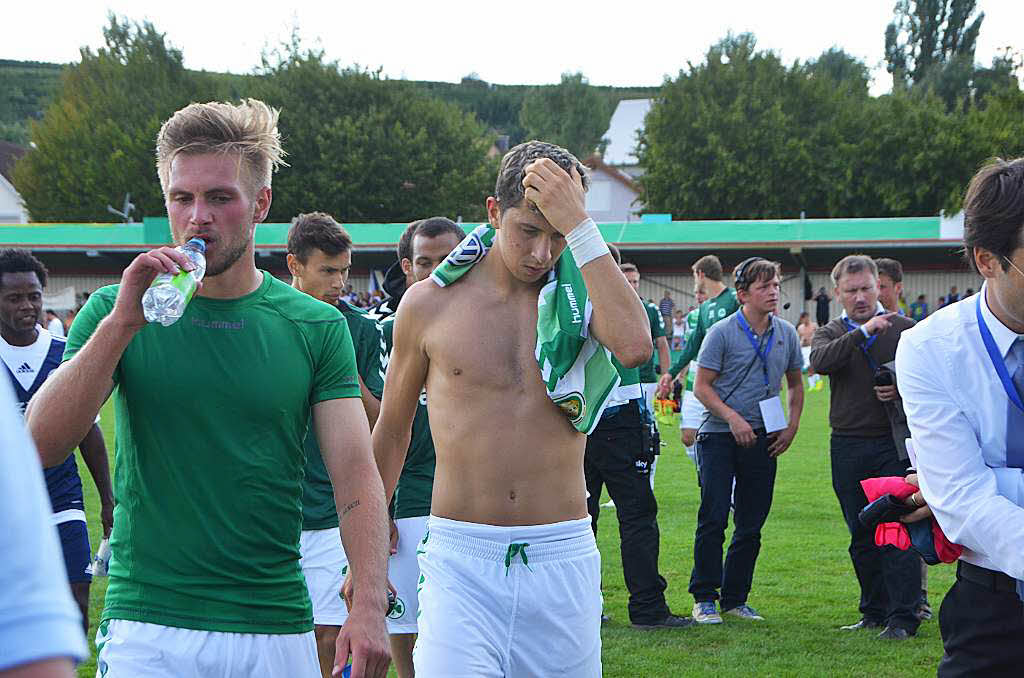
(513, 551)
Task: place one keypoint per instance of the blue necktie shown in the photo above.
(1014, 417)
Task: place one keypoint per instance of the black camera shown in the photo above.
(884, 377)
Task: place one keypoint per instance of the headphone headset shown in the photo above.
(738, 273)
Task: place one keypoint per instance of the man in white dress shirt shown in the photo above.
(961, 374)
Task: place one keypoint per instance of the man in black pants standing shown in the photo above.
(961, 373)
(739, 376)
(853, 350)
(619, 455)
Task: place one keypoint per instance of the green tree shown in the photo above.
(928, 33)
(365, 148)
(572, 114)
(95, 141)
(740, 135)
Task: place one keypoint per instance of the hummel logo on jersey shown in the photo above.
(25, 369)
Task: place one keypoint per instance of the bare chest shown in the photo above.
(490, 346)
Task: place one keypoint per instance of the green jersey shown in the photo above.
(416, 484)
(318, 509)
(648, 375)
(691, 325)
(211, 414)
(708, 313)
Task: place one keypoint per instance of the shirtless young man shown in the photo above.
(510, 569)
(806, 327)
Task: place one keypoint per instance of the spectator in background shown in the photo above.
(953, 296)
(54, 325)
(968, 293)
(822, 300)
(853, 350)
(919, 309)
(942, 302)
(667, 306)
(890, 284)
(678, 329)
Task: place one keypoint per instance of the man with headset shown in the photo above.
(739, 377)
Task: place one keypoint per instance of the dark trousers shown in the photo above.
(982, 631)
(890, 579)
(613, 452)
(720, 460)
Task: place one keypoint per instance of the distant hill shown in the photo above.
(28, 87)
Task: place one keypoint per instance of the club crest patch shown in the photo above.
(574, 405)
(470, 251)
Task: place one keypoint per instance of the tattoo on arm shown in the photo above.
(349, 508)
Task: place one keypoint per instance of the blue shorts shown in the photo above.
(74, 539)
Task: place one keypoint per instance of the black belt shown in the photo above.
(990, 580)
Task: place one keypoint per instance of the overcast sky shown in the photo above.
(623, 43)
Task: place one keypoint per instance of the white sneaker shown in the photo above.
(705, 613)
(744, 611)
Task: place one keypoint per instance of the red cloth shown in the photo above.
(896, 534)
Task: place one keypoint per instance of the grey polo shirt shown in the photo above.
(728, 351)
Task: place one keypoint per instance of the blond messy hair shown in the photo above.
(248, 130)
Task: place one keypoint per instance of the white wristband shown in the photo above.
(586, 242)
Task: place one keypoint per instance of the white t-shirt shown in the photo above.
(38, 618)
(56, 327)
(24, 361)
(679, 327)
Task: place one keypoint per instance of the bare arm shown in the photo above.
(94, 453)
(619, 321)
(47, 668)
(370, 404)
(664, 357)
(61, 412)
(795, 402)
(344, 437)
(407, 372)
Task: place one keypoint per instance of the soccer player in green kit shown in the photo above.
(211, 415)
(422, 247)
(721, 303)
(319, 259)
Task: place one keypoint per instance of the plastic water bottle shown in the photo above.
(165, 300)
(101, 562)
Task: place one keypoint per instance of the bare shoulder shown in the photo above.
(420, 304)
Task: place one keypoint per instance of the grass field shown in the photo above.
(804, 583)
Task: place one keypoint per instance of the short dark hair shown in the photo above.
(710, 266)
(14, 260)
(614, 251)
(891, 268)
(429, 228)
(854, 263)
(994, 210)
(754, 270)
(317, 231)
(627, 267)
(508, 189)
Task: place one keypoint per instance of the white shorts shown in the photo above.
(404, 575)
(126, 649)
(509, 601)
(649, 390)
(323, 564)
(692, 413)
(805, 351)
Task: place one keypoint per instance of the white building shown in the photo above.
(12, 209)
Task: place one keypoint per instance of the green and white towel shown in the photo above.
(577, 371)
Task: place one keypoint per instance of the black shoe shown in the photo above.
(671, 621)
(862, 624)
(894, 633)
(605, 618)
